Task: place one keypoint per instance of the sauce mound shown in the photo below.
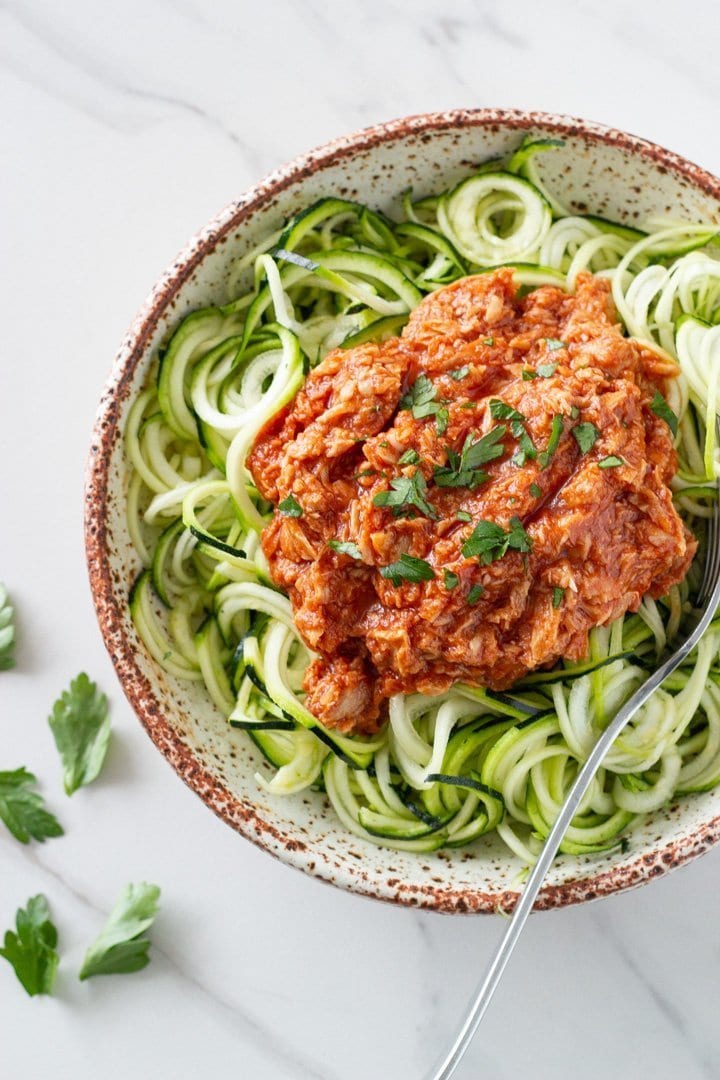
(465, 502)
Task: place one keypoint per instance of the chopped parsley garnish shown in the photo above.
(526, 448)
(462, 515)
(463, 469)
(461, 373)
(546, 371)
(408, 568)
(406, 492)
(450, 580)
(121, 946)
(661, 408)
(574, 412)
(611, 462)
(585, 436)
(420, 398)
(475, 593)
(489, 341)
(410, 457)
(489, 541)
(555, 343)
(290, 507)
(81, 728)
(555, 434)
(441, 420)
(363, 473)
(31, 950)
(384, 444)
(345, 547)
(558, 596)
(500, 411)
(536, 491)
(468, 405)
(23, 810)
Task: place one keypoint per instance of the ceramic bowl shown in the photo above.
(599, 170)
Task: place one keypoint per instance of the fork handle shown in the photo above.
(527, 898)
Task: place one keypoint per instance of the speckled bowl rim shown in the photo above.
(139, 689)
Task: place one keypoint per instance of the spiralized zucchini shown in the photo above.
(448, 769)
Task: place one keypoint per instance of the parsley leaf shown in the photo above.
(31, 950)
(345, 547)
(462, 515)
(22, 809)
(555, 435)
(585, 436)
(450, 579)
(420, 398)
(290, 507)
(441, 420)
(406, 491)
(7, 631)
(526, 447)
(546, 371)
(489, 341)
(574, 412)
(536, 491)
(558, 596)
(489, 541)
(661, 408)
(409, 568)
(464, 470)
(475, 593)
(554, 343)
(484, 449)
(461, 373)
(121, 947)
(500, 411)
(410, 457)
(81, 728)
(611, 462)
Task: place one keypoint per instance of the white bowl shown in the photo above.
(600, 171)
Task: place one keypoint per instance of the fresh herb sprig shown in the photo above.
(661, 408)
(23, 810)
(463, 469)
(81, 728)
(122, 947)
(346, 547)
(405, 493)
(489, 541)
(30, 948)
(421, 399)
(408, 568)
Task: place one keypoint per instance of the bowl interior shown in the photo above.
(597, 171)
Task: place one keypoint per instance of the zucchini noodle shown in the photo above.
(444, 770)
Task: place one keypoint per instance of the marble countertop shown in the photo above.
(127, 127)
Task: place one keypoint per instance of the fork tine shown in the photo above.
(711, 570)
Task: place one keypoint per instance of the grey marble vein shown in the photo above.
(266, 1039)
(46, 33)
(665, 1006)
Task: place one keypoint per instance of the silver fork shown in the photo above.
(707, 602)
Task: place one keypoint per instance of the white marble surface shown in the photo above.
(126, 126)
